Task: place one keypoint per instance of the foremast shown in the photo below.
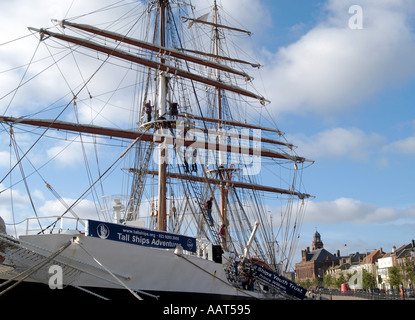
(162, 100)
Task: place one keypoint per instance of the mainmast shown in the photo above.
(222, 173)
(162, 100)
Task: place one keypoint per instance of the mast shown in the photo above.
(162, 99)
(223, 197)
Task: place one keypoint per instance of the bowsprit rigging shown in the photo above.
(196, 194)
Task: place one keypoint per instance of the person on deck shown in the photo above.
(236, 261)
(248, 282)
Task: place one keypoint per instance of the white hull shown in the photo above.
(93, 263)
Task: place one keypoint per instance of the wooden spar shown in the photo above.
(253, 65)
(228, 183)
(149, 137)
(229, 122)
(216, 25)
(150, 63)
(149, 46)
(238, 135)
(80, 128)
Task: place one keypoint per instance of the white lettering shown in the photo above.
(172, 310)
(56, 278)
(356, 21)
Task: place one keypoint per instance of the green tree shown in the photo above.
(306, 283)
(409, 269)
(340, 280)
(328, 281)
(316, 283)
(395, 277)
(369, 280)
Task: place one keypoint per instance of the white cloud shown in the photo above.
(404, 146)
(57, 83)
(333, 67)
(85, 209)
(4, 159)
(241, 11)
(349, 143)
(354, 211)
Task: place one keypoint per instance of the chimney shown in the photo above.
(413, 244)
(338, 253)
(303, 255)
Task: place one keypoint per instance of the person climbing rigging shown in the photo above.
(174, 111)
(222, 233)
(148, 108)
(208, 207)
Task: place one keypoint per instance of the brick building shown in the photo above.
(314, 263)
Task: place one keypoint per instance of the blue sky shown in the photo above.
(364, 148)
(344, 97)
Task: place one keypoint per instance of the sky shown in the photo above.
(340, 76)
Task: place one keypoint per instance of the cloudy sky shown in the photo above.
(340, 79)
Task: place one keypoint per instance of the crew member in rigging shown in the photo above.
(174, 111)
(148, 108)
(208, 207)
(222, 233)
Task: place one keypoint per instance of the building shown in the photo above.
(397, 257)
(316, 262)
(345, 264)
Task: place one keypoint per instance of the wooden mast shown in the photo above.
(162, 183)
(222, 190)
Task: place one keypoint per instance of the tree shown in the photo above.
(369, 281)
(395, 277)
(316, 282)
(328, 281)
(305, 283)
(409, 269)
(340, 280)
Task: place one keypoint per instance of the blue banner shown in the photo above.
(279, 282)
(142, 237)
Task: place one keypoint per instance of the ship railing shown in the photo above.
(53, 224)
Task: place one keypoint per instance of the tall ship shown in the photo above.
(182, 208)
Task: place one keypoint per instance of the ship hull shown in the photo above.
(99, 268)
(34, 291)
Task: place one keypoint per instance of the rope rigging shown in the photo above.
(243, 207)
